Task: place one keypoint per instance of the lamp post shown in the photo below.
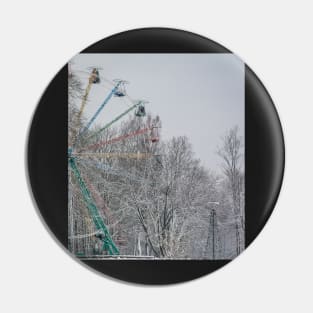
(212, 223)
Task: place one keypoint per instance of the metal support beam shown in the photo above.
(104, 235)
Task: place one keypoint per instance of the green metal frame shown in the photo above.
(115, 119)
(108, 243)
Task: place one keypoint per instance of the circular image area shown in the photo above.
(155, 156)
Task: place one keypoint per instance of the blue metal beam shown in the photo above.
(107, 99)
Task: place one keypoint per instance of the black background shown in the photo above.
(47, 155)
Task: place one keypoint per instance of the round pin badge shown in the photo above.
(155, 156)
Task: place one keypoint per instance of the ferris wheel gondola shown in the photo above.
(95, 77)
(140, 111)
(94, 74)
(121, 90)
(140, 108)
(154, 125)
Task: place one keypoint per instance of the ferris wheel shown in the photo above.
(85, 151)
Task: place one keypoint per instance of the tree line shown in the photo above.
(164, 203)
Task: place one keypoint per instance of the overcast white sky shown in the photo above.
(197, 95)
